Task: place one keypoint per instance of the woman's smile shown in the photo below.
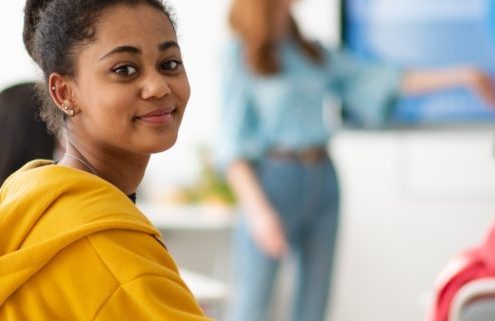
(162, 116)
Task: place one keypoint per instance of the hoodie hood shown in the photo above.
(44, 208)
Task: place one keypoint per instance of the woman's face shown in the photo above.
(130, 89)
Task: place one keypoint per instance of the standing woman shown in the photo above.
(73, 246)
(273, 147)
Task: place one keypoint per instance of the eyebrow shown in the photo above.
(136, 51)
(167, 44)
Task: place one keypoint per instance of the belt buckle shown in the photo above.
(311, 156)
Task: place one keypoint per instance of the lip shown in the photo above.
(158, 116)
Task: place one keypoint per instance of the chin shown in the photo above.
(161, 146)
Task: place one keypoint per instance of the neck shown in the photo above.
(123, 170)
(282, 25)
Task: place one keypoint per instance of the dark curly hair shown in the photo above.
(54, 31)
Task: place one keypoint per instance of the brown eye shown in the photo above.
(125, 70)
(171, 66)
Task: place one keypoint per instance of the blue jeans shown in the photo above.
(307, 200)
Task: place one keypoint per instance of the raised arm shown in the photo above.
(429, 80)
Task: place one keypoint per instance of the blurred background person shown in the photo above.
(24, 136)
(273, 147)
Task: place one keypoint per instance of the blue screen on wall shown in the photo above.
(426, 34)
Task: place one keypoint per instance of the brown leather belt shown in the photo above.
(307, 156)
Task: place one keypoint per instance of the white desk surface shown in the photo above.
(188, 217)
(205, 289)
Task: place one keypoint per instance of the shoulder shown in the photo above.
(329, 51)
(232, 51)
(143, 254)
(234, 63)
(147, 276)
(71, 199)
(48, 180)
(233, 45)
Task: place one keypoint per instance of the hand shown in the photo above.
(426, 81)
(482, 84)
(268, 233)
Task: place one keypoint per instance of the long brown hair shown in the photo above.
(253, 22)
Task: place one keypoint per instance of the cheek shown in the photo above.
(109, 110)
(113, 99)
(184, 89)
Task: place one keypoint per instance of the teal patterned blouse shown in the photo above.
(286, 110)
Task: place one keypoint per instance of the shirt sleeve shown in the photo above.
(238, 132)
(369, 90)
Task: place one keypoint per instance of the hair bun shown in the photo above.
(32, 13)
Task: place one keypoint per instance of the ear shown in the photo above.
(62, 93)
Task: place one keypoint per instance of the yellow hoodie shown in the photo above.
(74, 247)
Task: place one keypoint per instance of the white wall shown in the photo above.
(411, 201)
(15, 64)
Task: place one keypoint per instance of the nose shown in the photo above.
(155, 86)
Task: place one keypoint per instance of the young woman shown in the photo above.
(73, 245)
(274, 142)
